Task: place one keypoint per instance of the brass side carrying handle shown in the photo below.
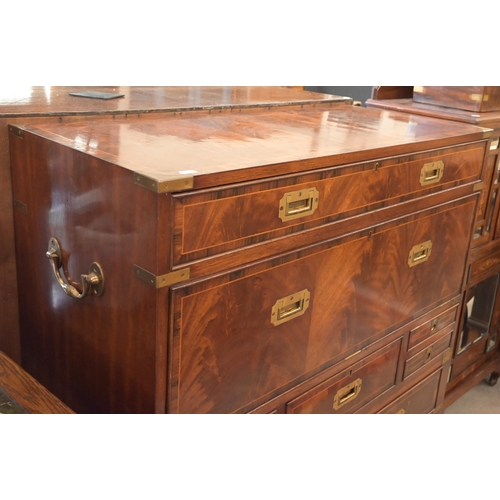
(298, 204)
(94, 281)
(420, 253)
(431, 173)
(347, 394)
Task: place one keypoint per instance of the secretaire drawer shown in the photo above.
(419, 399)
(349, 390)
(290, 317)
(423, 332)
(223, 219)
(439, 343)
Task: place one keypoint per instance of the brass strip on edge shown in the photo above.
(16, 131)
(478, 186)
(167, 186)
(163, 280)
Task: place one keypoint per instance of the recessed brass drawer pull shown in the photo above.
(431, 173)
(298, 204)
(94, 281)
(347, 394)
(290, 307)
(420, 253)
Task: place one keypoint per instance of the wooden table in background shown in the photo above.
(21, 393)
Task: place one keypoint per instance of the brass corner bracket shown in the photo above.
(163, 280)
(167, 186)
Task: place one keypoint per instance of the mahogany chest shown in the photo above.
(270, 261)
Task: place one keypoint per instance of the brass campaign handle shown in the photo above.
(93, 281)
(431, 173)
(347, 394)
(298, 204)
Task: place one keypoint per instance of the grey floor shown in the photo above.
(480, 399)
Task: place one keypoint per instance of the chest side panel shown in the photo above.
(97, 354)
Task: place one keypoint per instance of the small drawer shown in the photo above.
(467, 358)
(437, 348)
(419, 399)
(351, 389)
(423, 332)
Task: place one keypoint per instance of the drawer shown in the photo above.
(244, 337)
(486, 266)
(419, 399)
(470, 356)
(219, 220)
(436, 348)
(423, 332)
(352, 389)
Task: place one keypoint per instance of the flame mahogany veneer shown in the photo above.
(367, 330)
(35, 104)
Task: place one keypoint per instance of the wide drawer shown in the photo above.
(243, 337)
(351, 389)
(419, 399)
(219, 220)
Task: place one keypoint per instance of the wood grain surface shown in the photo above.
(208, 345)
(360, 290)
(24, 390)
(34, 104)
(488, 120)
(57, 101)
(224, 148)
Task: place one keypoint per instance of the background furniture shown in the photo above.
(21, 393)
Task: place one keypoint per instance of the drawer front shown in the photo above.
(245, 336)
(423, 332)
(420, 399)
(485, 267)
(352, 389)
(470, 356)
(220, 220)
(432, 351)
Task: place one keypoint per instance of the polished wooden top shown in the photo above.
(489, 119)
(25, 393)
(226, 147)
(54, 101)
